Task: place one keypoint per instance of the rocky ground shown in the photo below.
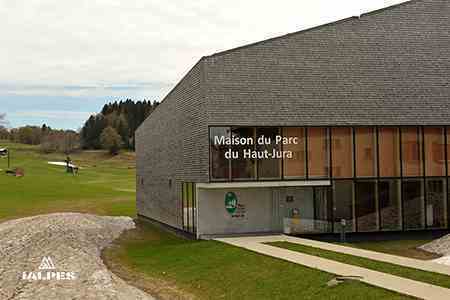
(439, 246)
(73, 242)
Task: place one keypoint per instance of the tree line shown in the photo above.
(113, 128)
(50, 140)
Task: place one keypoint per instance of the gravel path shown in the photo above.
(74, 270)
(439, 246)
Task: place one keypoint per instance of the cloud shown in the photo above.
(95, 51)
(52, 114)
(96, 42)
(118, 90)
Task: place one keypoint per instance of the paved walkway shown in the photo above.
(383, 280)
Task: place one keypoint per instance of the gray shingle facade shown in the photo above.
(388, 67)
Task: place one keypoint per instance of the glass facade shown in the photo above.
(269, 168)
(188, 207)
(317, 152)
(383, 178)
(296, 166)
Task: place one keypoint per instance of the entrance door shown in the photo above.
(293, 208)
(299, 210)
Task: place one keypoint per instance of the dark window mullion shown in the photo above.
(401, 177)
(425, 196)
(306, 153)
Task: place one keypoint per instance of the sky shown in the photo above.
(62, 60)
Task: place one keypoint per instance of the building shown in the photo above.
(362, 106)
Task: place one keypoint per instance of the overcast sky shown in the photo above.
(61, 60)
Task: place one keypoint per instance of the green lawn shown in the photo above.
(414, 274)
(213, 270)
(105, 185)
(408, 248)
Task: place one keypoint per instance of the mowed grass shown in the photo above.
(213, 270)
(414, 274)
(408, 248)
(105, 185)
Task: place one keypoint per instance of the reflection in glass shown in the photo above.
(413, 204)
(241, 167)
(365, 152)
(411, 151)
(389, 151)
(318, 152)
(436, 205)
(342, 152)
(323, 209)
(365, 206)
(296, 166)
(343, 204)
(389, 197)
(268, 168)
(220, 166)
(434, 151)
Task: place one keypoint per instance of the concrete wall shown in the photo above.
(265, 209)
(215, 219)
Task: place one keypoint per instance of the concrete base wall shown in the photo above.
(256, 213)
(260, 210)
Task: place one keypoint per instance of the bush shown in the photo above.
(111, 140)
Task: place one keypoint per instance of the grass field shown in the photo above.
(213, 270)
(414, 274)
(407, 248)
(105, 185)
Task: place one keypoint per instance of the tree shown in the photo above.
(111, 140)
(124, 116)
(4, 133)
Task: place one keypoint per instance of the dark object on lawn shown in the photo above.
(341, 279)
(70, 167)
(17, 172)
(3, 151)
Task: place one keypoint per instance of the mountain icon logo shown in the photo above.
(47, 264)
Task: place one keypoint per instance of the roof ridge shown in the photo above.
(377, 11)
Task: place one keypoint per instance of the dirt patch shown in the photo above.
(160, 289)
(57, 256)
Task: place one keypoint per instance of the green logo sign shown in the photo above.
(231, 202)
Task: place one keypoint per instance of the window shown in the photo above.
(323, 209)
(318, 152)
(296, 166)
(434, 151)
(268, 168)
(219, 165)
(243, 168)
(342, 152)
(343, 204)
(389, 151)
(413, 204)
(365, 139)
(436, 203)
(389, 197)
(189, 210)
(365, 206)
(411, 151)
